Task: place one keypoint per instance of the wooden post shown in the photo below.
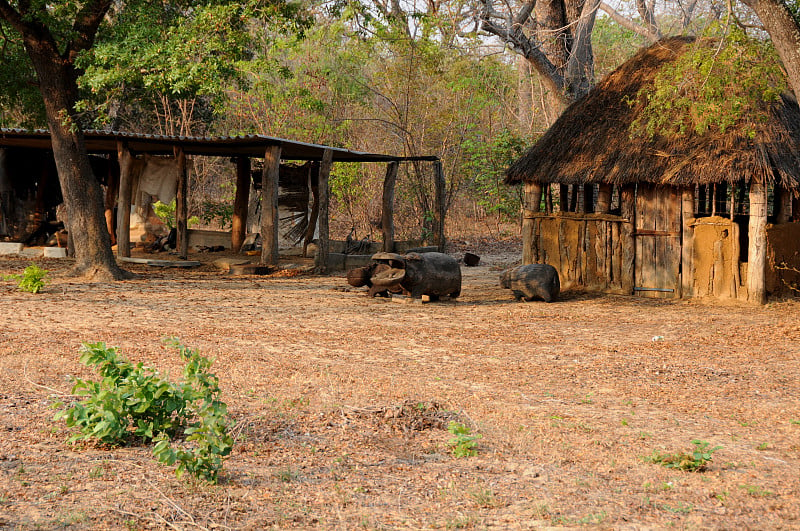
(324, 210)
(757, 250)
(548, 199)
(573, 198)
(182, 205)
(687, 245)
(313, 183)
(387, 206)
(626, 230)
(269, 205)
(440, 205)
(588, 198)
(110, 200)
(240, 206)
(783, 204)
(604, 198)
(532, 203)
(563, 197)
(124, 203)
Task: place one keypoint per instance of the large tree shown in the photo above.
(53, 35)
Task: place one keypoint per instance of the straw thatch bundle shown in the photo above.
(591, 142)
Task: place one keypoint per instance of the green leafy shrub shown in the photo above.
(186, 420)
(695, 461)
(463, 442)
(166, 213)
(32, 279)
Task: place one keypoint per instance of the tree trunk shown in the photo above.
(785, 35)
(757, 252)
(239, 220)
(83, 196)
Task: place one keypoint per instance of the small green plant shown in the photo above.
(756, 491)
(32, 279)
(463, 442)
(166, 213)
(696, 461)
(134, 402)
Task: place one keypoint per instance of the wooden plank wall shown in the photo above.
(587, 250)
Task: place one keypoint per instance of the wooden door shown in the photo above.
(658, 241)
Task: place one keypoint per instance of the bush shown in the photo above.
(134, 402)
(32, 279)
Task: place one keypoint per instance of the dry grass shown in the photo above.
(342, 404)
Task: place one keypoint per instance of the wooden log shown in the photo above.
(182, 205)
(269, 205)
(687, 247)
(240, 203)
(124, 203)
(548, 199)
(387, 206)
(757, 250)
(628, 259)
(324, 208)
(440, 205)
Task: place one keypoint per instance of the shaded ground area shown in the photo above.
(342, 404)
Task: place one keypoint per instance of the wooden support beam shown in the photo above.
(240, 203)
(604, 199)
(687, 243)
(783, 204)
(532, 200)
(124, 202)
(110, 199)
(182, 205)
(323, 248)
(757, 250)
(387, 206)
(440, 206)
(269, 205)
(313, 183)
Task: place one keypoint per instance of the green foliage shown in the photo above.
(712, 87)
(135, 402)
(166, 213)
(32, 279)
(486, 160)
(463, 442)
(695, 461)
(219, 212)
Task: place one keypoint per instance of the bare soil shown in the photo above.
(342, 404)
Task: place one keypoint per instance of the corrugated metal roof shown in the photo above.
(98, 142)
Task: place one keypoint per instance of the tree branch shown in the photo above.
(87, 22)
(627, 23)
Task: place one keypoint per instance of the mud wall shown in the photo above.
(783, 259)
(715, 253)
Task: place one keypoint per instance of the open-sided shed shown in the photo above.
(120, 150)
(685, 215)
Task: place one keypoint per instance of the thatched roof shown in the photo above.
(591, 141)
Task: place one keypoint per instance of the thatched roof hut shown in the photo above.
(592, 141)
(660, 215)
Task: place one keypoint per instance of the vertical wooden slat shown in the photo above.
(124, 203)
(240, 206)
(182, 205)
(387, 206)
(269, 205)
(783, 204)
(628, 210)
(440, 205)
(757, 250)
(324, 209)
(548, 199)
(687, 243)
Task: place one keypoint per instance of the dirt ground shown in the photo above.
(342, 404)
